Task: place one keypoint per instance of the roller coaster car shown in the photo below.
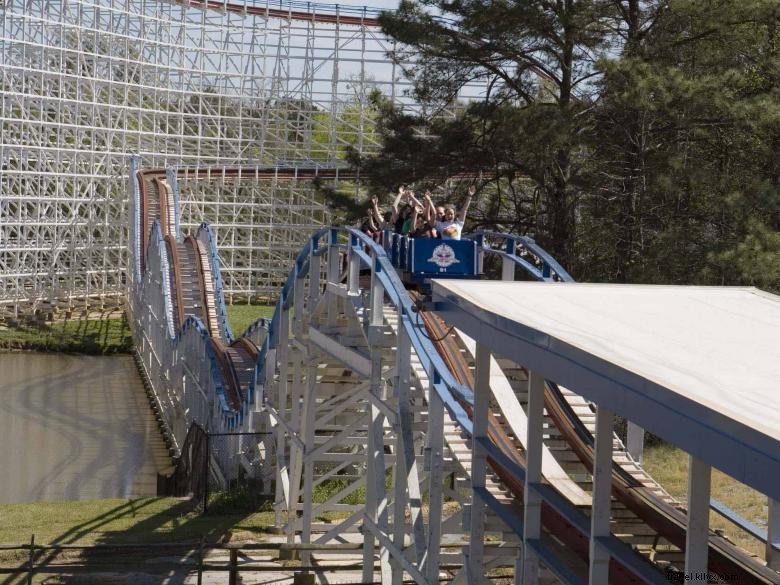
(420, 259)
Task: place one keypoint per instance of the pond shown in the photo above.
(75, 427)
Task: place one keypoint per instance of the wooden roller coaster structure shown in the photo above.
(369, 398)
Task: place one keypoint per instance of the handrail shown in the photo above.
(550, 269)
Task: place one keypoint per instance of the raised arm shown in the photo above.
(375, 203)
(465, 208)
(395, 204)
(430, 209)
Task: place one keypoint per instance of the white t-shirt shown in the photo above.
(449, 230)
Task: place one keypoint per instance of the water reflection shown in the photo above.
(75, 427)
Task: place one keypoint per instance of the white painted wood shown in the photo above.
(397, 553)
(478, 464)
(377, 298)
(507, 269)
(697, 533)
(314, 283)
(376, 499)
(635, 441)
(773, 535)
(282, 480)
(296, 449)
(347, 356)
(307, 432)
(532, 525)
(598, 573)
(517, 421)
(334, 266)
(731, 325)
(435, 485)
(400, 499)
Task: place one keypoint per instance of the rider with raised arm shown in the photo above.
(451, 226)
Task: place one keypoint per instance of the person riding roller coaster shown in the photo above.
(451, 226)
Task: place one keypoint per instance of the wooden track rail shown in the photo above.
(192, 285)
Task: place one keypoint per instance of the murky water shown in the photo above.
(75, 427)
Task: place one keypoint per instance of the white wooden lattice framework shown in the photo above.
(86, 84)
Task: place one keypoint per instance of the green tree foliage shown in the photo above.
(683, 155)
(537, 60)
(645, 132)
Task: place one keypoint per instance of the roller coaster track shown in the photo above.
(317, 375)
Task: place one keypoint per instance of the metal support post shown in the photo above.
(602, 491)
(532, 526)
(697, 533)
(478, 465)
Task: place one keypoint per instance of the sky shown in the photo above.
(382, 4)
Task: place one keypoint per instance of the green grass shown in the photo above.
(668, 465)
(102, 336)
(242, 316)
(91, 336)
(141, 520)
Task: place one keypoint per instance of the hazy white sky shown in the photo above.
(369, 4)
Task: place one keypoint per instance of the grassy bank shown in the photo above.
(243, 515)
(668, 465)
(144, 520)
(101, 336)
(107, 335)
(242, 316)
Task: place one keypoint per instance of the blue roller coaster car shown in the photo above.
(420, 259)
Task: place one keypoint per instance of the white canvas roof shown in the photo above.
(680, 360)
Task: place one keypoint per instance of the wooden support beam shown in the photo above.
(635, 441)
(435, 454)
(475, 570)
(697, 533)
(598, 573)
(400, 494)
(376, 497)
(532, 525)
(773, 535)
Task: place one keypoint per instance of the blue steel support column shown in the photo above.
(602, 490)
(478, 466)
